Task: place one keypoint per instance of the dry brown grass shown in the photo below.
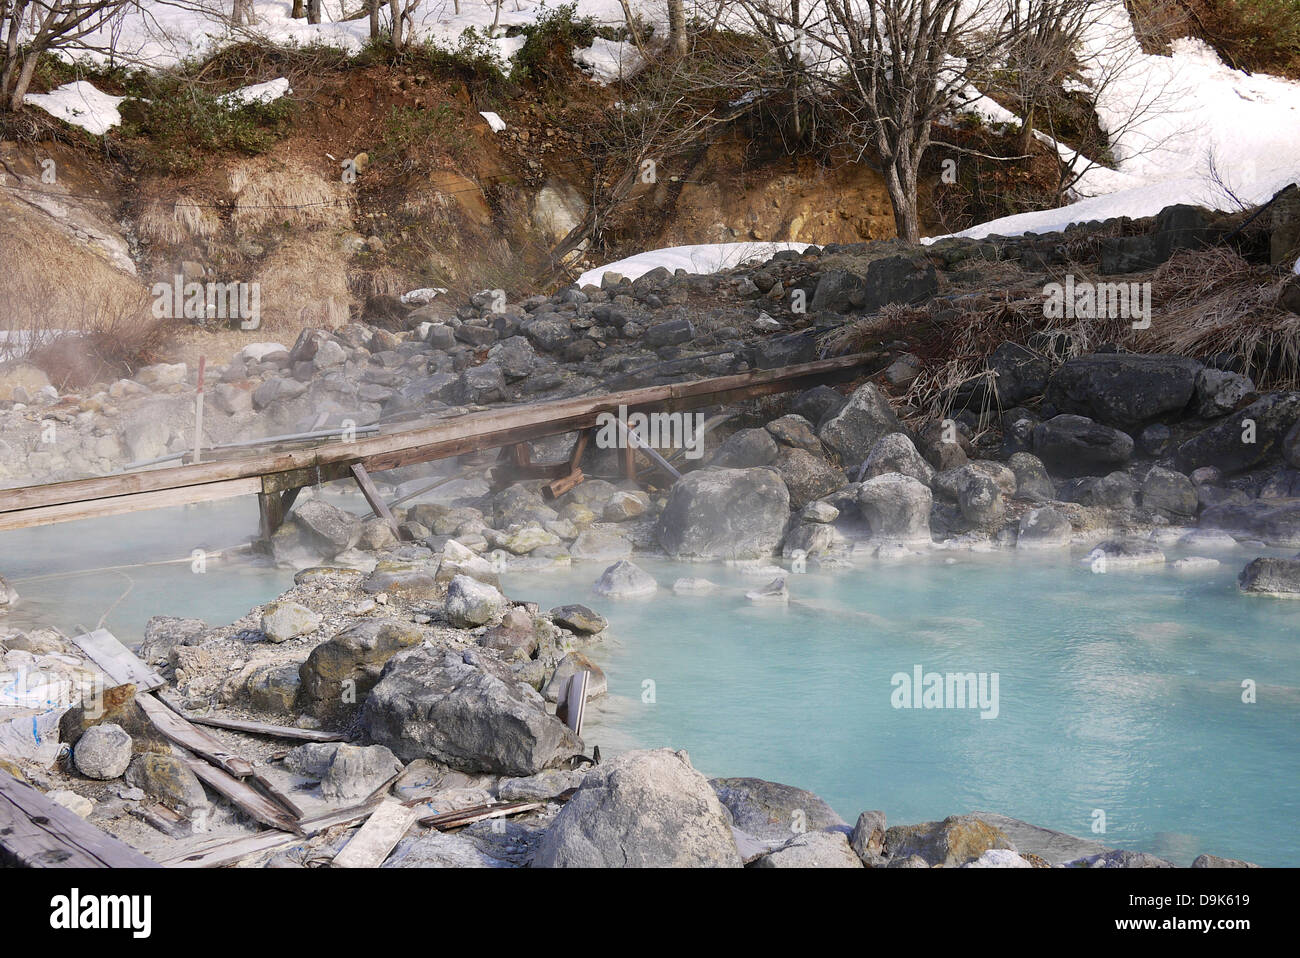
(305, 284)
(266, 193)
(177, 222)
(78, 318)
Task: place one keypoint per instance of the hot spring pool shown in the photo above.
(1120, 692)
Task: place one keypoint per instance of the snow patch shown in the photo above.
(266, 92)
(80, 104)
(610, 60)
(494, 121)
(705, 258)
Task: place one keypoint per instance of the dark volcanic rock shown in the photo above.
(1123, 390)
(1245, 438)
(1075, 445)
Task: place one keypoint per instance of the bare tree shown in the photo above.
(903, 61)
(50, 25)
(1041, 39)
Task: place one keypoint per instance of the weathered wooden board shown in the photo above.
(117, 661)
(263, 728)
(226, 851)
(279, 471)
(377, 838)
(179, 730)
(257, 805)
(477, 813)
(38, 833)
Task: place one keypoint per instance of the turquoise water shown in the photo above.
(1119, 692)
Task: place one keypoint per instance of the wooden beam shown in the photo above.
(254, 803)
(373, 497)
(36, 832)
(263, 728)
(178, 729)
(283, 470)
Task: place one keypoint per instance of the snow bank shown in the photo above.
(80, 104)
(266, 92)
(706, 258)
(610, 60)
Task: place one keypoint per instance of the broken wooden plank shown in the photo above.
(477, 813)
(218, 852)
(377, 838)
(264, 728)
(36, 832)
(269, 789)
(178, 729)
(117, 661)
(167, 821)
(253, 802)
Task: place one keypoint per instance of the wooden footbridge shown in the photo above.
(276, 476)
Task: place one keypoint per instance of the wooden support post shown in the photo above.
(376, 501)
(558, 487)
(273, 507)
(628, 457)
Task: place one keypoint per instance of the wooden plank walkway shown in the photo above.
(38, 833)
(276, 476)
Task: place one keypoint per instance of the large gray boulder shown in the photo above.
(1245, 438)
(471, 603)
(980, 499)
(891, 279)
(1077, 446)
(644, 809)
(625, 580)
(1169, 493)
(952, 842)
(1123, 389)
(331, 529)
(863, 421)
(746, 448)
(1044, 528)
(467, 710)
(807, 476)
(772, 811)
(725, 514)
(340, 671)
(896, 508)
(1272, 576)
(1275, 521)
(896, 453)
(812, 850)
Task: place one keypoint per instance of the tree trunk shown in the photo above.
(374, 19)
(313, 11)
(395, 11)
(299, 10)
(677, 27)
(24, 80)
(1027, 131)
(900, 181)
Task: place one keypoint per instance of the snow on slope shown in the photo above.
(705, 258)
(80, 104)
(1174, 121)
